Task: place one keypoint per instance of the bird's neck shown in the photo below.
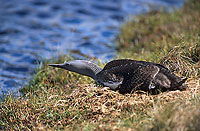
(90, 69)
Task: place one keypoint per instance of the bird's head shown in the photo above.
(79, 66)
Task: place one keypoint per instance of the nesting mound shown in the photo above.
(89, 104)
(97, 102)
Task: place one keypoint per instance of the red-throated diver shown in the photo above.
(127, 75)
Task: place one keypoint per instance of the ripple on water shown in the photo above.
(8, 31)
(39, 2)
(72, 20)
(56, 7)
(11, 83)
(22, 12)
(86, 12)
(15, 68)
(43, 15)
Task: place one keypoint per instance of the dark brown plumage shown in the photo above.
(146, 76)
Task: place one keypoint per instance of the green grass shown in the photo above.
(62, 100)
(153, 35)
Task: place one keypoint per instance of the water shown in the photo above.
(31, 30)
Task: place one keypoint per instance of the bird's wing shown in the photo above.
(175, 80)
(141, 78)
(116, 63)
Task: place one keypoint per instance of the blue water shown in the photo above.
(32, 30)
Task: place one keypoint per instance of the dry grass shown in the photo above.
(180, 115)
(184, 61)
(98, 108)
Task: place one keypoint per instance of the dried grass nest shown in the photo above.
(99, 101)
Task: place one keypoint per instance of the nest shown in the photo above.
(95, 103)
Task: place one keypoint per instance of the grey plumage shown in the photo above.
(82, 67)
(127, 75)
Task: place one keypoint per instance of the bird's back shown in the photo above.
(139, 74)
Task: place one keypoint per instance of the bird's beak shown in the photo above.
(57, 65)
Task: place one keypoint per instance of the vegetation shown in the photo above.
(58, 99)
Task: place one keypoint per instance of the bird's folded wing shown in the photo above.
(118, 63)
(145, 74)
(141, 78)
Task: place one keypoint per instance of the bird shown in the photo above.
(127, 75)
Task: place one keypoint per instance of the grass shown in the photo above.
(153, 35)
(60, 100)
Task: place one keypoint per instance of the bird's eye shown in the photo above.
(66, 64)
